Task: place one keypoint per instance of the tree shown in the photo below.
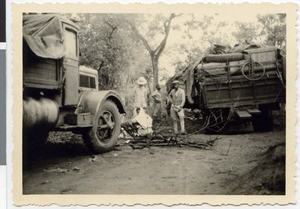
(108, 45)
(207, 29)
(246, 32)
(156, 52)
(274, 28)
(199, 32)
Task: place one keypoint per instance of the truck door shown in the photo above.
(71, 65)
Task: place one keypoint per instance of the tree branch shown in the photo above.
(114, 28)
(135, 30)
(167, 25)
(100, 66)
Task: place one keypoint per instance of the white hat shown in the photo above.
(141, 81)
(175, 81)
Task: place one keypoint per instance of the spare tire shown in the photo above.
(224, 57)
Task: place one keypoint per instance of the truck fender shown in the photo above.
(91, 101)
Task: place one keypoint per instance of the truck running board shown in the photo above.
(254, 111)
(78, 119)
(247, 114)
(244, 115)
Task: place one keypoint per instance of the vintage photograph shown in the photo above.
(178, 103)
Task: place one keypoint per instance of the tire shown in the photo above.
(99, 140)
(263, 122)
(251, 76)
(224, 57)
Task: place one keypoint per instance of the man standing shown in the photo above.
(140, 95)
(177, 99)
(157, 102)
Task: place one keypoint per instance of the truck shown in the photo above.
(235, 87)
(60, 95)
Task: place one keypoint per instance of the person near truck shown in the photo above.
(156, 95)
(140, 95)
(142, 122)
(177, 100)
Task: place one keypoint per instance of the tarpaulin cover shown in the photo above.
(44, 35)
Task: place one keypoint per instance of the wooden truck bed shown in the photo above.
(225, 86)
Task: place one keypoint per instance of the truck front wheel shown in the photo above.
(102, 137)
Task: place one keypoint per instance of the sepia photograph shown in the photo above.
(160, 103)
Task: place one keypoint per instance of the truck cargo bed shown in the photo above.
(224, 85)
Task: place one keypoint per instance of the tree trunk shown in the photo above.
(155, 53)
(155, 71)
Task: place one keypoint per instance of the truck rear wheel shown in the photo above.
(263, 122)
(102, 137)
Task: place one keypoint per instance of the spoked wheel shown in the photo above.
(102, 137)
(253, 71)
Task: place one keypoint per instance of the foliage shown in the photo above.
(246, 32)
(107, 44)
(274, 28)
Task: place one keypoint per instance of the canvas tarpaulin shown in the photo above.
(187, 76)
(44, 35)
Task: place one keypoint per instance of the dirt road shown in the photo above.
(235, 164)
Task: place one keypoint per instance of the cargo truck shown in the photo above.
(58, 95)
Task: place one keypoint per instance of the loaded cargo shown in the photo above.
(243, 85)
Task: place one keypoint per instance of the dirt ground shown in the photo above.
(239, 163)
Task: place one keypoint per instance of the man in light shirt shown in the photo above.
(140, 95)
(143, 123)
(177, 99)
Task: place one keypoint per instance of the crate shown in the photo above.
(263, 55)
(78, 119)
